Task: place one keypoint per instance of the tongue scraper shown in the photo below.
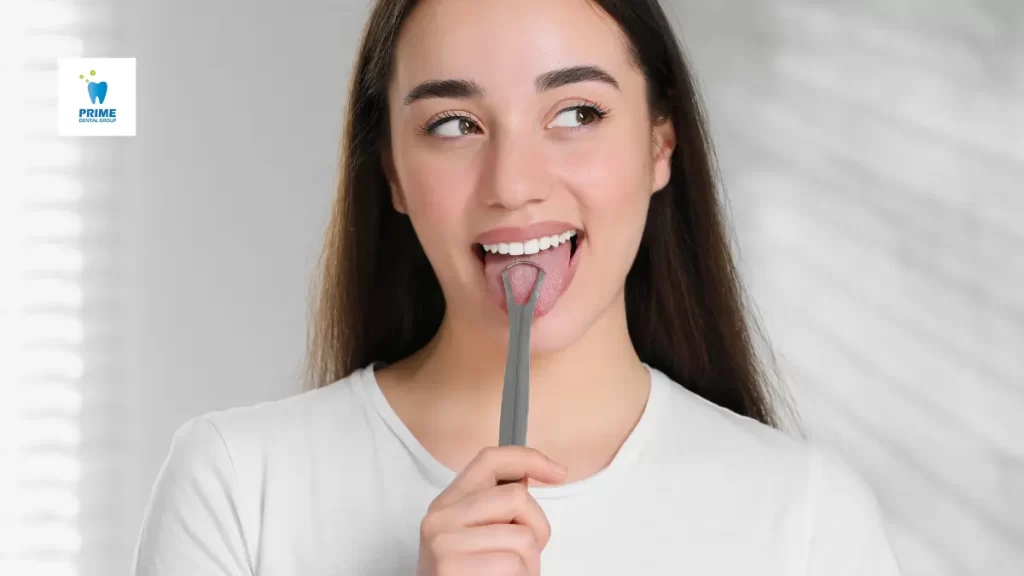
(515, 398)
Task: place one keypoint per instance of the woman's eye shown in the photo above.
(576, 117)
(454, 127)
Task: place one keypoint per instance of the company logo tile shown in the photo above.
(96, 97)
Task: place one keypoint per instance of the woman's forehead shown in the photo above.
(506, 43)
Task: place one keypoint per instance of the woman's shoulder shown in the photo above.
(210, 489)
(707, 427)
(301, 409)
(740, 463)
(277, 429)
(700, 434)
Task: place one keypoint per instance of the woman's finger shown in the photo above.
(494, 564)
(490, 542)
(494, 464)
(508, 504)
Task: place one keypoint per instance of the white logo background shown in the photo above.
(73, 95)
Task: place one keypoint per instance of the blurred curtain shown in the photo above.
(59, 457)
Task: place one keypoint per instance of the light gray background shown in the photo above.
(873, 153)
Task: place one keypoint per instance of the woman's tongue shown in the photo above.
(554, 262)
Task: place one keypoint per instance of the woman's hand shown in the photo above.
(480, 525)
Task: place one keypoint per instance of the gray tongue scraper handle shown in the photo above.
(515, 399)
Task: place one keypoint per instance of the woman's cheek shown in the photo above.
(602, 173)
(435, 192)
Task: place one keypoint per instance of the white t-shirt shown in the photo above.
(331, 483)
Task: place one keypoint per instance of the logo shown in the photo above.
(105, 105)
(97, 92)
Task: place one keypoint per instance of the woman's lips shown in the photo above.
(523, 233)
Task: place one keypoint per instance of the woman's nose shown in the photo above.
(515, 170)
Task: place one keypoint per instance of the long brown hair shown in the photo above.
(379, 299)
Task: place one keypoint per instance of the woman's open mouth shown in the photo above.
(557, 254)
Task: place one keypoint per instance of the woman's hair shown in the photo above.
(379, 299)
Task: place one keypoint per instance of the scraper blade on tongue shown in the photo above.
(515, 398)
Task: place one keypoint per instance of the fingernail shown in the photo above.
(561, 469)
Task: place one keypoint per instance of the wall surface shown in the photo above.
(873, 153)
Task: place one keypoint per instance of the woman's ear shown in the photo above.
(397, 197)
(663, 144)
(397, 200)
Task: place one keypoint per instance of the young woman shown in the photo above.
(568, 133)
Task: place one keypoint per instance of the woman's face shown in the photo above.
(520, 130)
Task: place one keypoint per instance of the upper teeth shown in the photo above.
(530, 246)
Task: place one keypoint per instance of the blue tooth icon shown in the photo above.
(97, 91)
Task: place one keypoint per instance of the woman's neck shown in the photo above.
(584, 399)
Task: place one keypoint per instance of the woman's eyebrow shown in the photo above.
(455, 89)
(574, 75)
(467, 89)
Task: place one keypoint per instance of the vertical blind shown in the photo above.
(48, 263)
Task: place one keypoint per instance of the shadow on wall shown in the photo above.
(873, 154)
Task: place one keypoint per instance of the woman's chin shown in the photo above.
(551, 332)
(553, 338)
(556, 330)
